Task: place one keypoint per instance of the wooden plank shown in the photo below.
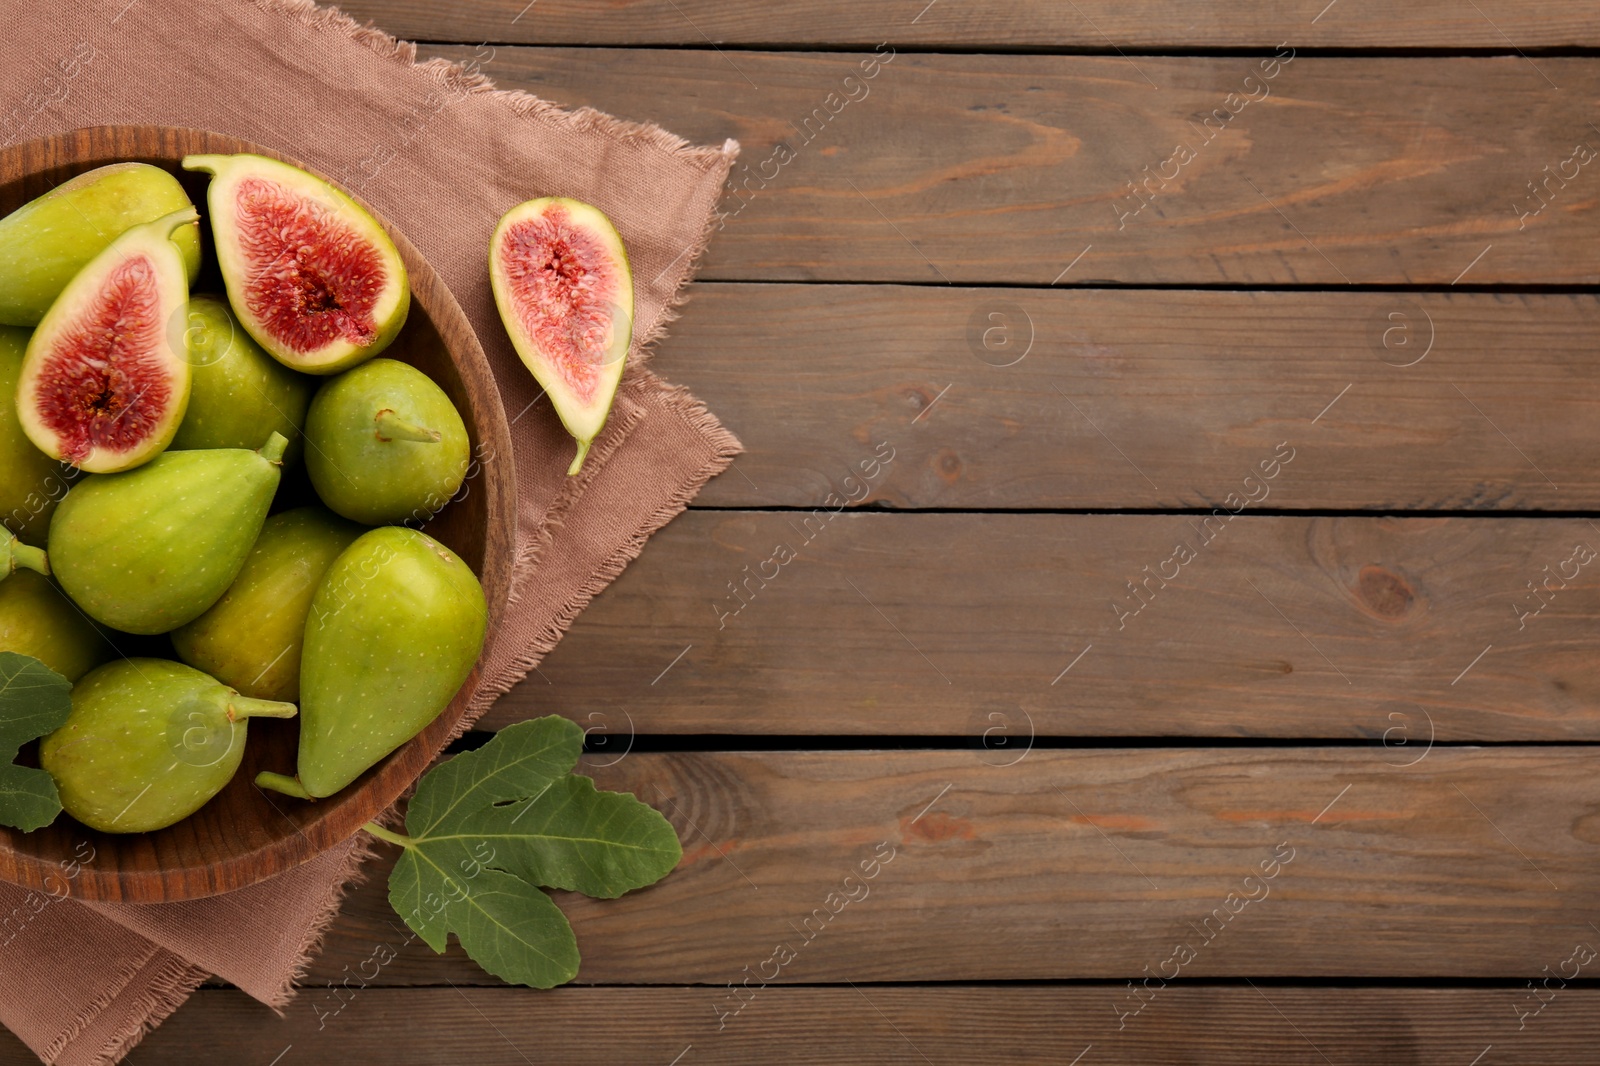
(1029, 25)
(1086, 864)
(1119, 399)
(1014, 625)
(1240, 1025)
(1001, 168)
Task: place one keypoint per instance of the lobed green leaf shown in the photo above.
(489, 826)
(34, 701)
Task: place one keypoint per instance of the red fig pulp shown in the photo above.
(565, 291)
(105, 380)
(313, 277)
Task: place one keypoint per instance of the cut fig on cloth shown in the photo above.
(565, 291)
(45, 242)
(105, 381)
(312, 276)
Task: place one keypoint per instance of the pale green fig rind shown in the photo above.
(390, 313)
(582, 421)
(394, 631)
(237, 393)
(153, 240)
(148, 743)
(37, 619)
(47, 241)
(152, 549)
(366, 478)
(31, 483)
(251, 638)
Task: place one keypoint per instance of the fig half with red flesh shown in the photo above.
(312, 276)
(561, 279)
(105, 380)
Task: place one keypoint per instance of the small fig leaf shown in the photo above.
(491, 825)
(34, 700)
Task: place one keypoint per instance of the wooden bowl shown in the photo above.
(245, 835)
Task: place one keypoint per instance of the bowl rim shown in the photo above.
(326, 826)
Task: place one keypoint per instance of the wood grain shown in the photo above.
(1164, 398)
(1076, 864)
(978, 624)
(887, 1024)
(1374, 171)
(244, 836)
(1029, 25)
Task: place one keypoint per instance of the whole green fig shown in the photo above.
(386, 445)
(394, 631)
(237, 392)
(148, 742)
(250, 639)
(37, 619)
(151, 549)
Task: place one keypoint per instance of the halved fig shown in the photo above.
(105, 380)
(561, 278)
(313, 277)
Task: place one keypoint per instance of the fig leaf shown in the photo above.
(34, 701)
(490, 827)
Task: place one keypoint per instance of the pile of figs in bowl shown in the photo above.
(260, 506)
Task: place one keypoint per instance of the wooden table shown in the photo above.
(1203, 658)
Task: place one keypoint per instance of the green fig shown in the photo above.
(148, 743)
(152, 549)
(105, 380)
(46, 242)
(386, 444)
(37, 619)
(31, 483)
(394, 631)
(561, 279)
(313, 277)
(251, 638)
(238, 393)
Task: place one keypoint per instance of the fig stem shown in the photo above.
(289, 786)
(577, 460)
(384, 834)
(249, 707)
(170, 224)
(28, 556)
(273, 450)
(392, 427)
